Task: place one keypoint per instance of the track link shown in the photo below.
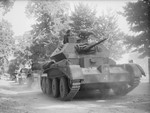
(73, 91)
(134, 84)
(124, 90)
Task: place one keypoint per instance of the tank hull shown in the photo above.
(120, 78)
(93, 75)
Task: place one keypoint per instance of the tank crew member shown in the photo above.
(66, 37)
(84, 36)
(130, 61)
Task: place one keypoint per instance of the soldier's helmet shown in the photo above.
(68, 32)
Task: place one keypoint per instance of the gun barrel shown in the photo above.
(91, 46)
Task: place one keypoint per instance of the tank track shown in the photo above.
(74, 88)
(73, 91)
(134, 83)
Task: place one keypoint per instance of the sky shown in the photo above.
(21, 23)
(17, 17)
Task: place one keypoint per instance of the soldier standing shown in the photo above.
(84, 35)
(66, 40)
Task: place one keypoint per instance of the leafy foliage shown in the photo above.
(83, 18)
(22, 45)
(6, 5)
(51, 21)
(13, 66)
(138, 17)
(107, 27)
(23, 42)
(104, 26)
(6, 39)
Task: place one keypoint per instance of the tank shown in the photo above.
(77, 66)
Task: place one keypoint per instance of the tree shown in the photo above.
(6, 43)
(22, 45)
(6, 39)
(51, 22)
(13, 66)
(83, 18)
(104, 26)
(138, 16)
(6, 5)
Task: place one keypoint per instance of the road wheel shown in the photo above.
(55, 87)
(63, 87)
(43, 84)
(48, 86)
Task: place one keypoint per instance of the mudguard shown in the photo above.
(141, 69)
(135, 70)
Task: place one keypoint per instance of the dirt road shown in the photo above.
(19, 99)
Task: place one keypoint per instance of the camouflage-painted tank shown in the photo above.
(86, 66)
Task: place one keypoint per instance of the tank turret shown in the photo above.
(85, 47)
